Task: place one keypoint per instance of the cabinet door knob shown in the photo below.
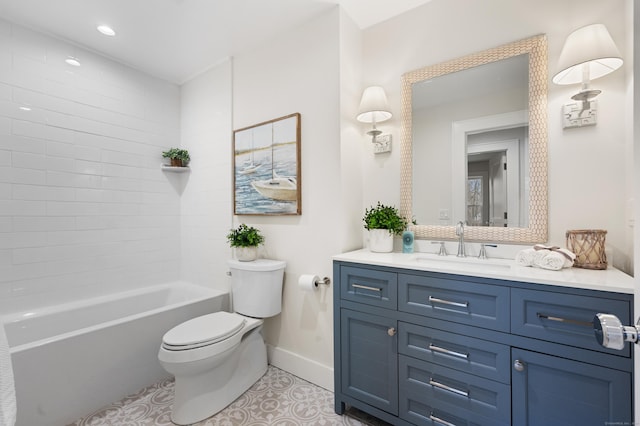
(518, 365)
(391, 331)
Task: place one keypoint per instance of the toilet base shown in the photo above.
(202, 395)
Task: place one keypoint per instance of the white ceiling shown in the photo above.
(177, 39)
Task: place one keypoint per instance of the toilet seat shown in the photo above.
(203, 331)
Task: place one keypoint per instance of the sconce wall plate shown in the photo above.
(382, 144)
(579, 114)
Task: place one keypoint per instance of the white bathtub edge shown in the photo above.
(305, 368)
(207, 293)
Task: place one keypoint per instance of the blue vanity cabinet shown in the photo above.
(550, 391)
(427, 348)
(369, 356)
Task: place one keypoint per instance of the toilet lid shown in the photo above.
(204, 330)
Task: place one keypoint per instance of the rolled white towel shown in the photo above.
(540, 254)
(525, 257)
(7, 387)
(569, 257)
(551, 260)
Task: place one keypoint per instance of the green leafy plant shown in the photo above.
(384, 217)
(244, 236)
(177, 154)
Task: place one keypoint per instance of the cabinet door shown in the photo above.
(550, 391)
(369, 359)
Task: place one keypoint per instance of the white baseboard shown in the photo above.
(305, 368)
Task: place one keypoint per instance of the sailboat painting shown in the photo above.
(266, 164)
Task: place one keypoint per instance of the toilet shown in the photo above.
(215, 358)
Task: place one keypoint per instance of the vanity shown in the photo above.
(426, 340)
(422, 339)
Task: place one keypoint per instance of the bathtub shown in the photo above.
(74, 358)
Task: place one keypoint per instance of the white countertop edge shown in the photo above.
(610, 279)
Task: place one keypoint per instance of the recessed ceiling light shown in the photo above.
(72, 61)
(106, 30)
(25, 108)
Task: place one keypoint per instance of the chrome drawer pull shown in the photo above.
(448, 302)
(448, 388)
(435, 348)
(439, 420)
(568, 321)
(366, 287)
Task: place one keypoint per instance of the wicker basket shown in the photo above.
(588, 246)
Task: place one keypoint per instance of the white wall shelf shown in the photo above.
(174, 169)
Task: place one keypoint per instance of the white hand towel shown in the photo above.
(525, 257)
(551, 260)
(7, 386)
(568, 254)
(569, 257)
(540, 254)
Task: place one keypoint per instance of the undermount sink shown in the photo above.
(464, 262)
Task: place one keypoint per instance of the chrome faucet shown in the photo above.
(460, 234)
(443, 250)
(483, 250)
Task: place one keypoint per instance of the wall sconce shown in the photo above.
(588, 53)
(374, 108)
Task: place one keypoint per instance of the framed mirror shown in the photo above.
(474, 145)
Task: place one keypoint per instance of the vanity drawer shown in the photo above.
(470, 355)
(564, 318)
(370, 286)
(480, 305)
(431, 390)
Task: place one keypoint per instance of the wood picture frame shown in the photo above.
(266, 168)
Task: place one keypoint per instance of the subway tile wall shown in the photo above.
(84, 205)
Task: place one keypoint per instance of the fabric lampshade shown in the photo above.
(374, 107)
(591, 46)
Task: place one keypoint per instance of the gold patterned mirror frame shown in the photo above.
(536, 231)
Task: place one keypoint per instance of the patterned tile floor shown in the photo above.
(277, 399)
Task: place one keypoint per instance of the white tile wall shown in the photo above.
(83, 202)
(206, 129)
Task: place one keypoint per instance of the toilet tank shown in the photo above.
(257, 287)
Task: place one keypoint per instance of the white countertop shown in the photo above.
(610, 279)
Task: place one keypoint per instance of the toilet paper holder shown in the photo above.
(310, 282)
(324, 281)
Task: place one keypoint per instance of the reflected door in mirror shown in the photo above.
(497, 160)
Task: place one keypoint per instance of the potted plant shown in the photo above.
(245, 240)
(383, 222)
(179, 157)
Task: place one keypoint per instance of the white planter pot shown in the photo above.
(380, 241)
(246, 254)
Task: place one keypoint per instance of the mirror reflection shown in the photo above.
(474, 145)
(495, 190)
(460, 141)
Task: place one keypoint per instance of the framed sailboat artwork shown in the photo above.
(266, 168)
